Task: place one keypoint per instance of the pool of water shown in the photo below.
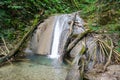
(36, 68)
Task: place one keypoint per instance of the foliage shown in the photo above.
(101, 16)
(16, 17)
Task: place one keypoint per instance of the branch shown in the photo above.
(5, 45)
(79, 37)
(14, 51)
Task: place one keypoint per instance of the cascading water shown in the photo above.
(56, 38)
(61, 26)
(51, 35)
(58, 27)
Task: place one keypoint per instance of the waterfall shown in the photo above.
(59, 26)
(56, 38)
(50, 36)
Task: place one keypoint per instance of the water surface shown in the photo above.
(36, 68)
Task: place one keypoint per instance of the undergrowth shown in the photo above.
(16, 17)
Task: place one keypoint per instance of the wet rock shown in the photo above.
(78, 25)
(78, 28)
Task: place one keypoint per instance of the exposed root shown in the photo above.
(103, 53)
(110, 56)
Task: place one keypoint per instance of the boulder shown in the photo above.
(42, 37)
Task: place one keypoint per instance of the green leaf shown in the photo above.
(15, 7)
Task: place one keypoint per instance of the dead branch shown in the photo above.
(110, 56)
(5, 45)
(15, 50)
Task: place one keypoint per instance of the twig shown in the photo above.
(82, 69)
(68, 61)
(5, 45)
(109, 47)
(111, 51)
(104, 49)
(3, 52)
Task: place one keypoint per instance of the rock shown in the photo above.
(76, 50)
(112, 73)
(73, 74)
(78, 25)
(42, 38)
(78, 28)
(114, 68)
(41, 42)
(107, 77)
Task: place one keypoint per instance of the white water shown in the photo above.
(56, 38)
(59, 25)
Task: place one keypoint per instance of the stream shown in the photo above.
(34, 68)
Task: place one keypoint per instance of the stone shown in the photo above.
(42, 38)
